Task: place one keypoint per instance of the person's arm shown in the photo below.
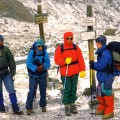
(58, 57)
(80, 59)
(12, 64)
(46, 64)
(29, 62)
(102, 63)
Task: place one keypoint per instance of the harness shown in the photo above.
(74, 47)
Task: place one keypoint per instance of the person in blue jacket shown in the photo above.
(38, 62)
(105, 78)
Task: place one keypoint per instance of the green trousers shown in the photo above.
(69, 89)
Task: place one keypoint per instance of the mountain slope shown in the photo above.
(15, 9)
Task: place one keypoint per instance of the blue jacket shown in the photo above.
(39, 56)
(104, 59)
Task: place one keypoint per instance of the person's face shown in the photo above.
(1, 42)
(40, 48)
(69, 40)
(98, 45)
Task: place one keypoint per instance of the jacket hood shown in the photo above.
(66, 35)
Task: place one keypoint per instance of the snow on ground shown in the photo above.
(55, 110)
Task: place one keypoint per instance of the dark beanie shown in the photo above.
(1, 37)
(101, 39)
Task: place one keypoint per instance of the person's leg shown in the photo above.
(2, 107)
(66, 94)
(8, 82)
(109, 99)
(101, 107)
(31, 93)
(74, 81)
(73, 96)
(42, 87)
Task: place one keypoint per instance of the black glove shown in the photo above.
(91, 64)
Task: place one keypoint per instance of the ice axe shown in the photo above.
(62, 94)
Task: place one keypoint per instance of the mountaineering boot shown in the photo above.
(2, 107)
(101, 106)
(107, 116)
(43, 109)
(67, 110)
(109, 111)
(15, 107)
(29, 111)
(19, 113)
(73, 109)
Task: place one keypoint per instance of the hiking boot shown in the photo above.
(29, 111)
(101, 112)
(2, 109)
(43, 109)
(19, 113)
(73, 109)
(107, 116)
(67, 110)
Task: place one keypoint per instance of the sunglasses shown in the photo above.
(69, 38)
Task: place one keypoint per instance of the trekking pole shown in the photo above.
(62, 94)
(91, 89)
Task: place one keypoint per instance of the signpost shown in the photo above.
(88, 35)
(88, 21)
(41, 18)
(91, 50)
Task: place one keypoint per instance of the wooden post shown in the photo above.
(41, 30)
(91, 49)
(41, 18)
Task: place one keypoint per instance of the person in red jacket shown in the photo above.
(70, 60)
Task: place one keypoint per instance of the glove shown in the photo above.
(91, 64)
(39, 68)
(82, 74)
(68, 60)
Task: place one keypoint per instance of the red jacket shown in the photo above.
(76, 55)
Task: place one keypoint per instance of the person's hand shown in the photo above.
(68, 60)
(91, 62)
(82, 74)
(13, 78)
(39, 68)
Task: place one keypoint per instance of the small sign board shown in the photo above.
(109, 32)
(88, 35)
(88, 21)
(41, 18)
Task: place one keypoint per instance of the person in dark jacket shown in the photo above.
(105, 78)
(38, 62)
(7, 71)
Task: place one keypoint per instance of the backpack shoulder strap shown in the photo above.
(34, 53)
(74, 46)
(62, 47)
